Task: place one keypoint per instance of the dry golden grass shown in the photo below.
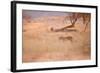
(41, 44)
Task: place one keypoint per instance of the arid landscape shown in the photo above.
(55, 36)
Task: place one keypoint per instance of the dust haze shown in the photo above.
(55, 36)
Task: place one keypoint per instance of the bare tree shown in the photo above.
(86, 20)
(73, 17)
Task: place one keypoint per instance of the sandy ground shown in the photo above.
(42, 44)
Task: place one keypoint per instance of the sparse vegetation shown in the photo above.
(52, 40)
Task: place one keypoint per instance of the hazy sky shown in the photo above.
(35, 13)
